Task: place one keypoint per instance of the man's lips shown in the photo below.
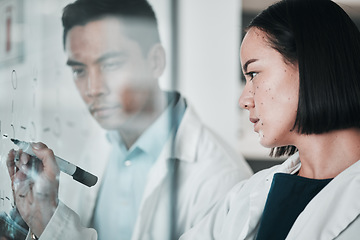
(103, 111)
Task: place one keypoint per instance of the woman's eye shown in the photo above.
(251, 75)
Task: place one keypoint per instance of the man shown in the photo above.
(114, 51)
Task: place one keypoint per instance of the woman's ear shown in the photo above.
(157, 59)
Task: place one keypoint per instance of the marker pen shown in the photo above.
(76, 172)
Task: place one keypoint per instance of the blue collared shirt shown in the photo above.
(125, 177)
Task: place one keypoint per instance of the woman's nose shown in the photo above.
(246, 99)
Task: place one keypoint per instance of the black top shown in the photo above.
(287, 198)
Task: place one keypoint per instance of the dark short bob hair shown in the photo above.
(138, 17)
(325, 43)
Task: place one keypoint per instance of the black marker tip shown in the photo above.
(15, 141)
(84, 177)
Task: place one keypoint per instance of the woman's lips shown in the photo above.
(254, 121)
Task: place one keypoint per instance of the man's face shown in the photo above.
(112, 74)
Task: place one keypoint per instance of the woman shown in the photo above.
(302, 68)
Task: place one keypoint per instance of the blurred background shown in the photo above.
(39, 101)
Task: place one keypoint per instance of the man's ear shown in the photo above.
(157, 59)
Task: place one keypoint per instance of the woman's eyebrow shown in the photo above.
(245, 66)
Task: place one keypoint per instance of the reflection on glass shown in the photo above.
(160, 169)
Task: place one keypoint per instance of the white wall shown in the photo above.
(209, 62)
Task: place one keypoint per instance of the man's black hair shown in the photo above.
(138, 17)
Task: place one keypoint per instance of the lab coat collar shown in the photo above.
(326, 215)
(161, 128)
(332, 209)
(187, 137)
(290, 166)
(185, 149)
(260, 189)
(186, 142)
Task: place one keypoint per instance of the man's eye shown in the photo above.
(251, 75)
(113, 65)
(78, 73)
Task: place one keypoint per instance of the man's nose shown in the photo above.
(96, 85)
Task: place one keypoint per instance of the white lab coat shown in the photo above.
(332, 214)
(206, 172)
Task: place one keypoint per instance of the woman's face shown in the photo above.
(271, 92)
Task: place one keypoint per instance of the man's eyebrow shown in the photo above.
(247, 64)
(110, 55)
(71, 62)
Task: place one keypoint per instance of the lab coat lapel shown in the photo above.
(257, 203)
(155, 203)
(157, 173)
(258, 194)
(188, 136)
(321, 219)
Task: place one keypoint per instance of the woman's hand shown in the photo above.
(35, 185)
